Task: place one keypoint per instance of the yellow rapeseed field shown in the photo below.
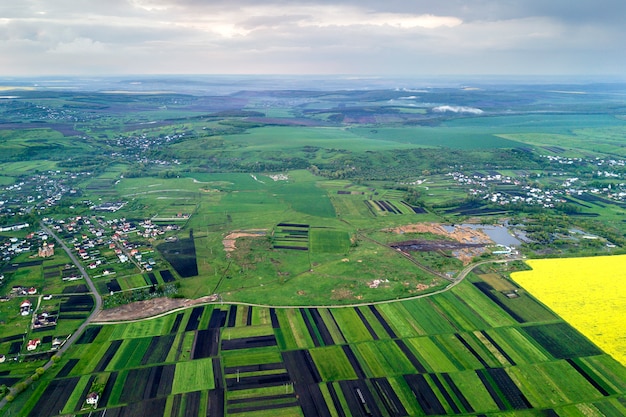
(588, 293)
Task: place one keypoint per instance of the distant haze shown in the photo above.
(393, 37)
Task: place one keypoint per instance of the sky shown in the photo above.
(390, 37)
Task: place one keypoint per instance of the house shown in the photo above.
(25, 307)
(32, 291)
(56, 343)
(92, 399)
(46, 251)
(33, 344)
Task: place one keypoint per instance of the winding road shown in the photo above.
(87, 322)
(98, 299)
(83, 272)
(462, 275)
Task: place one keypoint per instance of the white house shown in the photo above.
(92, 399)
(25, 307)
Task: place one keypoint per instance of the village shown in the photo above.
(548, 190)
(39, 192)
(105, 247)
(101, 243)
(136, 148)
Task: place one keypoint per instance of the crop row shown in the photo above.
(455, 353)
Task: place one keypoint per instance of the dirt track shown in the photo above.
(148, 308)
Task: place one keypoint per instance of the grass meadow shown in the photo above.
(333, 264)
(434, 137)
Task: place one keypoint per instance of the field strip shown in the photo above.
(453, 284)
(178, 190)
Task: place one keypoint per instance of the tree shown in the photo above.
(414, 198)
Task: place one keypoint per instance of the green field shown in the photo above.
(329, 241)
(450, 137)
(193, 376)
(332, 363)
(286, 138)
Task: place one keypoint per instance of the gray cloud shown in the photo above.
(568, 10)
(313, 36)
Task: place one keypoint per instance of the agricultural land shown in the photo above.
(211, 247)
(589, 293)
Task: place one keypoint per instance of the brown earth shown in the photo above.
(465, 235)
(341, 294)
(460, 234)
(230, 240)
(148, 308)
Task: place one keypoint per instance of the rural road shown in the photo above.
(98, 299)
(462, 275)
(79, 331)
(90, 284)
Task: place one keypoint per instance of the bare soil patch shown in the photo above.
(465, 242)
(341, 294)
(460, 234)
(230, 240)
(148, 308)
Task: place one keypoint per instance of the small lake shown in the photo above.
(499, 234)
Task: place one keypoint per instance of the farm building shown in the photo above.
(14, 228)
(43, 320)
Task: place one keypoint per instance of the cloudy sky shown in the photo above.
(388, 37)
